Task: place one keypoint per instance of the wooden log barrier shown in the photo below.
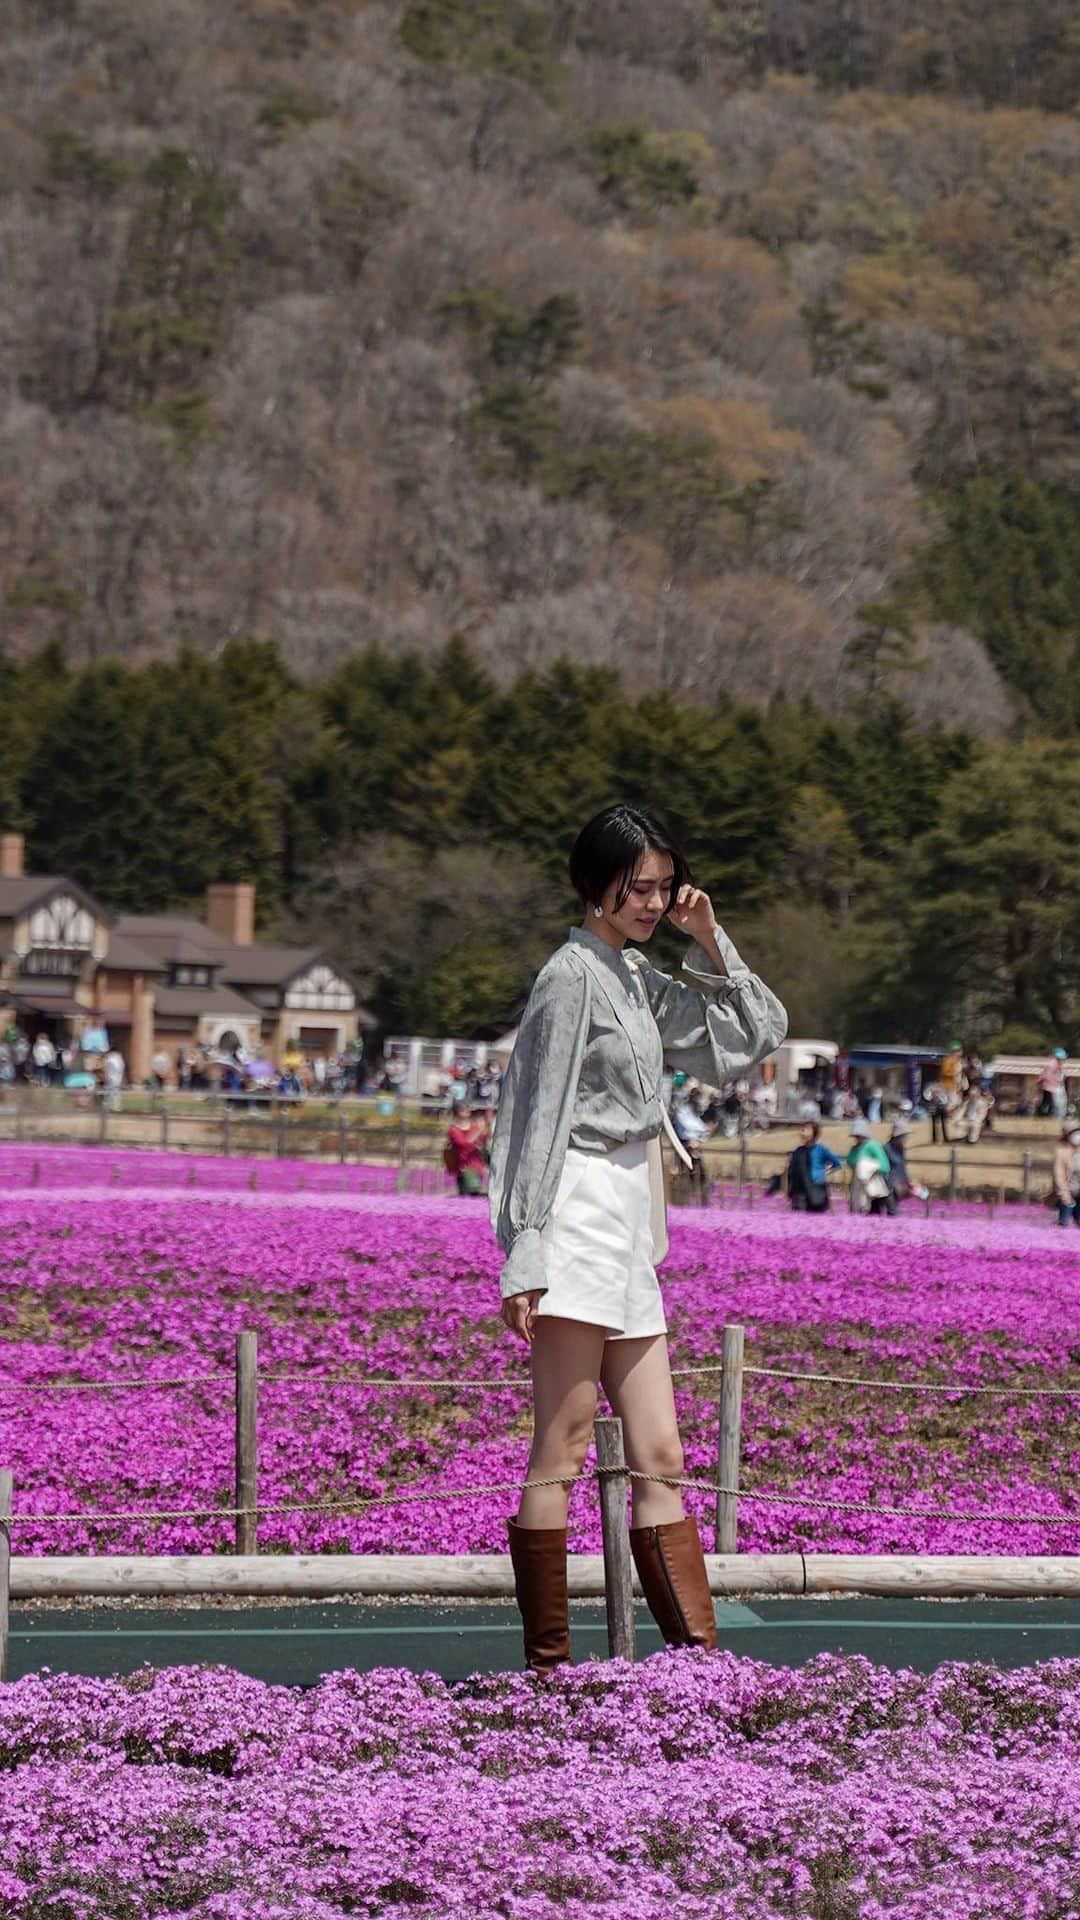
(944, 1576)
(914, 1576)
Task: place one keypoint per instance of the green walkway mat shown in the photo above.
(294, 1645)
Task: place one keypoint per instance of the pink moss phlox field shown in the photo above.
(689, 1787)
(104, 1284)
(128, 1168)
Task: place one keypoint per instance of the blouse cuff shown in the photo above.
(702, 969)
(524, 1269)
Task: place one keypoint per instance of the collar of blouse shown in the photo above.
(609, 956)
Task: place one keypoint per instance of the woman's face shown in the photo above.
(806, 1135)
(648, 899)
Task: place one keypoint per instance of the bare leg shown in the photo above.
(637, 1381)
(566, 1357)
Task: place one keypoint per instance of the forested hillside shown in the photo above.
(422, 422)
(733, 342)
(416, 816)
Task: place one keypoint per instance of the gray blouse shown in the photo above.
(587, 1063)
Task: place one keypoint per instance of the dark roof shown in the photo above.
(124, 956)
(31, 888)
(890, 1056)
(173, 936)
(271, 966)
(189, 1002)
(57, 1005)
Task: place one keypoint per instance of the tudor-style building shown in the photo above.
(163, 981)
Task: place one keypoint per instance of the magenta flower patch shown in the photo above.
(689, 1787)
(103, 1283)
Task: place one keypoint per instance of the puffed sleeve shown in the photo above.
(715, 1026)
(533, 1122)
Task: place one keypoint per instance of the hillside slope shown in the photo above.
(666, 338)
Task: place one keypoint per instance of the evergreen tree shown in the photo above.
(977, 924)
(1008, 566)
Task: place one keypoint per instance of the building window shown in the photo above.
(188, 976)
(322, 991)
(62, 924)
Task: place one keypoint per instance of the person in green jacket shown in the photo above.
(871, 1173)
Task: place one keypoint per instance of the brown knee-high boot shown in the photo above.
(538, 1555)
(671, 1568)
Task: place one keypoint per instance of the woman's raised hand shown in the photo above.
(692, 912)
(519, 1314)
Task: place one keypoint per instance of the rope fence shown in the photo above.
(725, 1487)
(419, 1495)
(612, 1476)
(410, 1382)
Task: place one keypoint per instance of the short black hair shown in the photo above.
(814, 1126)
(611, 847)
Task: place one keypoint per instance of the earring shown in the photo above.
(599, 912)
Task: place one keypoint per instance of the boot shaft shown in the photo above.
(538, 1556)
(671, 1568)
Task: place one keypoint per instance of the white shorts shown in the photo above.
(598, 1245)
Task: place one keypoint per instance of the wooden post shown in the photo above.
(247, 1442)
(281, 1133)
(618, 1575)
(103, 1121)
(926, 1205)
(729, 1447)
(953, 1174)
(253, 1179)
(342, 1137)
(19, 1115)
(1027, 1175)
(35, 1174)
(5, 1569)
(164, 1123)
(403, 1157)
(225, 1129)
(744, 1152)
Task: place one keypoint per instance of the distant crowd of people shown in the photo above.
(236, 1069)
(879, 1170)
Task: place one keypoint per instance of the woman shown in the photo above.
(1066, 1175)
(576, 1213)
(465, 1154)
(808, 1171)
(871, 1187)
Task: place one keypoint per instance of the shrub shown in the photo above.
(73, 162)
(642, 169)
(289, 112)
(510, 37)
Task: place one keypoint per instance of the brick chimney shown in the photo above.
(12, 853)
(230, 911)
